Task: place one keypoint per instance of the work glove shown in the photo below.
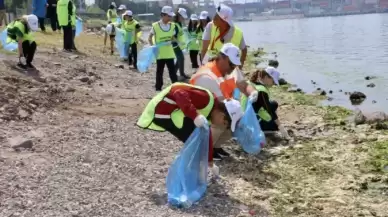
(200, 121)
(284, 132)
(22, 60)
(253, 96)
(215, 170)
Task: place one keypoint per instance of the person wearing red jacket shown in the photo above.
(180, 108)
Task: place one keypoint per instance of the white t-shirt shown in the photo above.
(209, 83)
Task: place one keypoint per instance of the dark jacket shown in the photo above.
(2, 5)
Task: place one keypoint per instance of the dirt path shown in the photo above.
(89, 158)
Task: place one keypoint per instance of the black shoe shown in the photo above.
(221, 152)
(29, 65)
(185, 76)
(22, 66)
(216, 156)
(158, 89)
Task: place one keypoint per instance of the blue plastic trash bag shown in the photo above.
(118, 20)
(78, 27)
(236, 94)
(147, 56)
(248, 131)
(7, 45)
(187, 176)
(122, 39)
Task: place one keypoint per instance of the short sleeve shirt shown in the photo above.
(227, 38)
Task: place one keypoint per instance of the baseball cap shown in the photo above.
(122, 7)
(193, 17)
(235, 112)
(168, 10)
(182, 12)
(128, 13)
(226, 13)
(32, 21)
(275, 75)
(203, 15)
(233, 52)
(113, 4)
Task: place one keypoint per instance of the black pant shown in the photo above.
(270, 125)
(182, 134)
(73, 42)
(159, 72)
(180, 61)
(194, 59)
(54, 22)
(41, 23)
(29, 49)
(132, 56)
(67, 37)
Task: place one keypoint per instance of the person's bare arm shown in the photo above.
(20, 47)
(245, 88)
(244, 53)
(205, 45)
(105, 38)
(150, 39)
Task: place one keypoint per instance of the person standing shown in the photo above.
(21, 30)
(74, 19)
(131, 27)
(164, 31)
(180, 44)
(111, 14)
(39, 9)
(222, 30)
(204, 19)
(65, 13)
(52, 15)
(3, 13)
(193, 45)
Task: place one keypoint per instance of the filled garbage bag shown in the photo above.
(7, 43)
(248, 131)
(187, 176)
(122, 39)
(147, 56)
(118, 20)
(78, 27)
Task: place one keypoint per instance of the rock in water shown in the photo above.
(357, 97)
(282, 81)
(371, 85)
(375, 117)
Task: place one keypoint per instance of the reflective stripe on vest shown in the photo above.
(262, 113)
(227, 86)
(215, 32)
(112, 17)
(63, 12)
(177, 116)
(166, 51)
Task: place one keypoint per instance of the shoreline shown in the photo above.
(85, 145)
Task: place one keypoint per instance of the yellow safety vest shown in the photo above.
(194, 42)
(215, 32)
(73, 17)
(262, 113)
(146, 119)
(19, 25)
(181, 37)
(199, 38)
(166, 51)
(130, 28)
(112, 17)
(63, 12)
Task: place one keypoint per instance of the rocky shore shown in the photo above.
(69, 147)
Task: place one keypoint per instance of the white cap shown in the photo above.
(275, 75)
(182, 12)
(114, 4)
(193, 17)
(32, 21)
(226, 13)
(203, 15)
(235, 112)
(168, 10)
(128, 13)
(233, 52)
(122, 7)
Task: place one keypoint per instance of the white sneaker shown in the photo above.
(193, 71)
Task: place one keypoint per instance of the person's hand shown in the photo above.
(200, 121)
(284, 132)
(253, 96)
(22, 60)
(215, 170)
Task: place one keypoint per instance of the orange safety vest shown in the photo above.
(227, 86)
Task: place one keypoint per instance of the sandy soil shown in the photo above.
(89, 159)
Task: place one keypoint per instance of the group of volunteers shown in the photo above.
(20, 31)
(208, 98)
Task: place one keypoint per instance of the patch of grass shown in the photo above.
(378, 157)
(335, 113)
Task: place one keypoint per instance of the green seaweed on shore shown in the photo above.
(335, 113)
(378, 157)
